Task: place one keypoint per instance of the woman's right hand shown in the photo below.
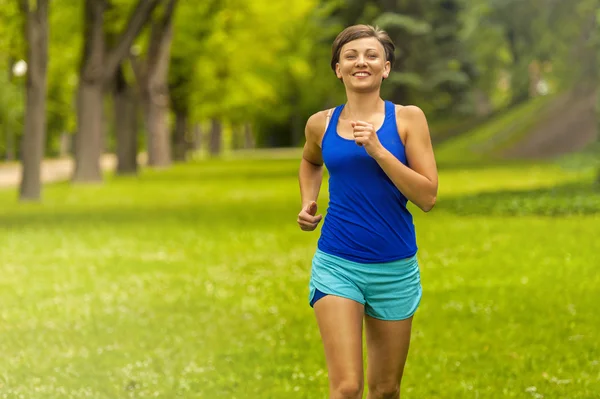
(307, 219)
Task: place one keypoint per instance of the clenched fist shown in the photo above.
(307, 219)
(366, 136)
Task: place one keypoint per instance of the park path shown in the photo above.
(569, 127)
(53, 170)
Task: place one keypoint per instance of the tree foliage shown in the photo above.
(263, 66)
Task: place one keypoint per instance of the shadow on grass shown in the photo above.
(563, 200)
(222, 171)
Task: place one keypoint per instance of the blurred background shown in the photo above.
(149, 153)
(174, 80)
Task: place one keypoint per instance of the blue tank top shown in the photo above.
(367, 220)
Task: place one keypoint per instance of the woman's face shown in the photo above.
(362, 64)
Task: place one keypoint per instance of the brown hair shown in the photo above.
(360, 32)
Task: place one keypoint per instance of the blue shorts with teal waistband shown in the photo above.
(388, 291)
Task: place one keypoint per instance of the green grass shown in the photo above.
(192, 283)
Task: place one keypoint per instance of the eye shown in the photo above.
(372, 56)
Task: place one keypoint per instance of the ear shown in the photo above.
(338, 71)
(386, 69)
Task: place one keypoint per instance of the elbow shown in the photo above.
(428, 205)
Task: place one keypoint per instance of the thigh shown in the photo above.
(340, 324)
(387, 350)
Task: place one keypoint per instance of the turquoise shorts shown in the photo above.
(388, 291)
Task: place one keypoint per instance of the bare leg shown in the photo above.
(387, 350)
(340, 324)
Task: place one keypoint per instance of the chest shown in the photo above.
(342, 155)
(346, 131)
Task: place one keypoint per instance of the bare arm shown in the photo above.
(419, 182)
(310, 174)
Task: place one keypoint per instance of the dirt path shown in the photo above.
(52, 170)
(570, 127)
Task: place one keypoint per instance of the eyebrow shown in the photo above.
(351, 49)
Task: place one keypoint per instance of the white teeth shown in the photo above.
(361, 74)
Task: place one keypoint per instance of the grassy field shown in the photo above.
(192, 283)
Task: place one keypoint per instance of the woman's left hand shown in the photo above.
(366, 136)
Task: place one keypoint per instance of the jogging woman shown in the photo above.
(379, 156)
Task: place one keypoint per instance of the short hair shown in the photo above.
(360, 32)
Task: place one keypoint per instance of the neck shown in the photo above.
(362, 106)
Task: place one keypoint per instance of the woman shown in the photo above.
(379, 156)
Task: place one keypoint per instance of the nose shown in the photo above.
(360, 60)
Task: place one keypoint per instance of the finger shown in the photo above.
(304, 225)
(361, 141)
(311, 208)
(362, 128)
(309, 218)
(362, 136)
(307, 226)
(361, 123)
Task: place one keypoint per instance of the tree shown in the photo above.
(126, 127)
(180, 90)
(187, 48)
(98, 68)
(32, 150)
(152, 77)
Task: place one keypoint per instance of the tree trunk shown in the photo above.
(155, 88)
(159, 141)
(198, 136)
(215, 137)
(248, 136)
(159, 145)
(89, 137)
(65, 145)
(34, 137)
(180, 144)
(237, 136)
(97, 68)
(89, 96)
(125, 125)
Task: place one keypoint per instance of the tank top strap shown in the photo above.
(336, 115)
(332, 124)
(390, 116)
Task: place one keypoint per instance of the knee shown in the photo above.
(385, 391)
(349, 389)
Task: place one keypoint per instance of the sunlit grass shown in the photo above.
(192, 283)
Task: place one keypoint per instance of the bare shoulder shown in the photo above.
(411, 121)
(314, 132)
(410, 113)
(315, 126)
